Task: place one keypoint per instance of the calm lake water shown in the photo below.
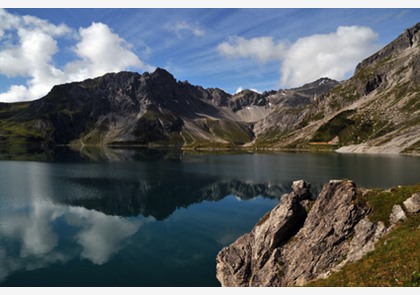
(151, 218)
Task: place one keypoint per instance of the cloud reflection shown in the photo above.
(29, 238)
(101, 235)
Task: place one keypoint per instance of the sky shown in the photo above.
(231, 48)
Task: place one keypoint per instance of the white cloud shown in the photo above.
(98, 51)
(180, 27)
(46, 27)
(330, 55)
(31, 57)
(8, 21)
(262, 49)
(239, 89)
(333, 55)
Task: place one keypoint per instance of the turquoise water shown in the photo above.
(152, 218)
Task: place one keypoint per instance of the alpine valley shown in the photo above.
(377, 110)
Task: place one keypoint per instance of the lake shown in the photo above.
(151, 218)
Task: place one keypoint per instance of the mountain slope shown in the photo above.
(377, 110)
(132, 109)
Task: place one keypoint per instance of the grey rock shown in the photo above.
(302, 189)
(289, 247)
(322, 242)
(252, 260)
(366, 234)
(397, 215)
(412, 204)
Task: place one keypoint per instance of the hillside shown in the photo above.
(376, 110)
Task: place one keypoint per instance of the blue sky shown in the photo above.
(261, 49)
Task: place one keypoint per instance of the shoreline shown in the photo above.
(210, 149)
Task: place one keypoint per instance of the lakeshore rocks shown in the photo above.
(290, 247)
(253, 259)
(412, 204)
(397, 214)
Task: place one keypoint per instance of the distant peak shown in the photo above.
(319, 82)
(160, 72)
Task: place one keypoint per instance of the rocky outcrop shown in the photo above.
(253, 259)
(289, 246)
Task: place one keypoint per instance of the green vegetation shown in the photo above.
(394, 263)
(334, 127)
(230, 131)
(395, 260)
(20, 133)
(271, 136)
(413, 104)
(352, 128)
(368, 72)
(343, 94)
(381, 201)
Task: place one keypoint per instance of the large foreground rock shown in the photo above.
(290, 247)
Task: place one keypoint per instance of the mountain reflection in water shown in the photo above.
(99, 216)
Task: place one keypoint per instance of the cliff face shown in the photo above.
(302, 240)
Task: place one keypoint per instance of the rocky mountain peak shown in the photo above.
(162, 75)
(409, 38)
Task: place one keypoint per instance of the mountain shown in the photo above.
(153, 108)
(377, 110)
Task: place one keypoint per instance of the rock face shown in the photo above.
(291, 247)
(253, 259)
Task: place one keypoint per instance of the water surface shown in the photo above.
(151, 218)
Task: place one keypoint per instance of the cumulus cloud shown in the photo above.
(8, 21)
(333, 55)
(180, 27)
(262, 49)
(98, 51)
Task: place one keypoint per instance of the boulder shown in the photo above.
(412, 204)
(397, 215)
